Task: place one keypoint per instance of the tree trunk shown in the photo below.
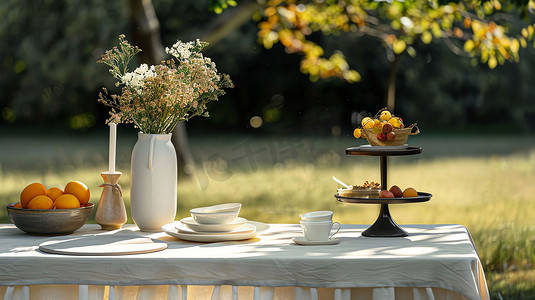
(391, 95)
(228, 21)
(145, 29)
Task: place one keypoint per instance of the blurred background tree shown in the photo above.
(483, 26)
(48, 74)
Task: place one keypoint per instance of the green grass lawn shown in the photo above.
(483, 182)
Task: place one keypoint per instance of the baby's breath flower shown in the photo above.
(136, 79)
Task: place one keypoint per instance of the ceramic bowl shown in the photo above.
(214, 218)
(216, 214)
(317, 216)
(49, 221)
(225, 207)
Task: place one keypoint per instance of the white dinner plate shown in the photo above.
(245, 228)
(370, 147)
(300, 240)
(193, 225)
(123, 242)
(171, 230)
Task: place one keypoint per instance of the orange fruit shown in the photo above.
(67, 201)
(41, 202)
(54, 192)
(357, 133)
(31, 191)
(17, 205)
(79, 190)
(410, 192)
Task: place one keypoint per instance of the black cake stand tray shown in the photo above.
(384, 226)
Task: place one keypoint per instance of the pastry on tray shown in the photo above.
(367, 190)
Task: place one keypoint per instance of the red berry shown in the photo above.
(381, 136)
(386, 194)
(391, 136)
(387, 128)
(396, 191)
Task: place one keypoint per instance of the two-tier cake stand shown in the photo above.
(384, 226)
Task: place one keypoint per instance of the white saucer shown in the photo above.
(300, 240)
(171, 230)
(193, 225)
(246, 228)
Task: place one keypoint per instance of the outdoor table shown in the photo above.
(432, 262)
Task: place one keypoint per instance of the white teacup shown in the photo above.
(319, 231)
(316, 216)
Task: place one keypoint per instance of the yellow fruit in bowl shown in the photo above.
(385, 115)
(79, 190)
(31, 191)
(368, 123)
(54, 192)
(67, 201)
(395, 122)
(41, 202)
(18, 205)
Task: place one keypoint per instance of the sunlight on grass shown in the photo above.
(489, 190)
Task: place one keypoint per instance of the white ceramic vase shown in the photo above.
(153, 185)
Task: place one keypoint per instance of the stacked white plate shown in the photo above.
(233, 229)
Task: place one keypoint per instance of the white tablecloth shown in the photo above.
(433, 262)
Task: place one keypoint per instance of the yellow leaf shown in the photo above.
(502, 51)
(493, 62)
(515, 45)
(436, 30)
(524, 32)
(484, 54)
(399, 46)
(351, 76)
(469, 45)
(523, 43)
(411, 51)
(427, 37)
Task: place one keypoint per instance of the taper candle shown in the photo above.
(113, 137)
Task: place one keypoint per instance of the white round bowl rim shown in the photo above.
(224, 213)
(315, 222)
(218, 208)
(317, 214)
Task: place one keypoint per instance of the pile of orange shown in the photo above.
(37, 196)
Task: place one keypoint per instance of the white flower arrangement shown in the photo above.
(156, 98)
(136, 79)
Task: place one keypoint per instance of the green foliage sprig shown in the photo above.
(156, 98)
(119, 58)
